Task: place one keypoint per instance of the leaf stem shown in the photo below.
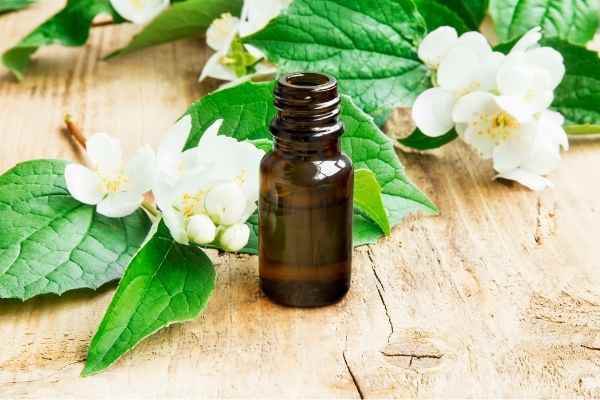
(582, 130)
(150, 205)
(75, 131)
(99, 24)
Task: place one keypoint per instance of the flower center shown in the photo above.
(499, 127)
(192, 204)
(470, 88)
(114, 184)
(238, 59)
(139, 4)
(241, 178)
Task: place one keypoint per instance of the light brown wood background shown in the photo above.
(499, 296)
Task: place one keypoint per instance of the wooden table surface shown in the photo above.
(498, 296)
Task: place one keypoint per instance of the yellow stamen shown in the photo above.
(192, 204)
(241, 178)
(499, 127)
(114, 184)
(139, 4)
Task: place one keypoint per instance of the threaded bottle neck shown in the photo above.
(308, 107)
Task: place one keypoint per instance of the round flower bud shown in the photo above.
(225, 203)
(235, 237)
(201, 229)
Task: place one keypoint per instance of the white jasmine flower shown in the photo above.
(498, 104)
(523, 148)
(233, 60)
(464, 65)
(225, 190)
(139, 11)
(494, 131)
(234, 237)
(116, 189)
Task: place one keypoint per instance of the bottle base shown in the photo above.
(305, 294)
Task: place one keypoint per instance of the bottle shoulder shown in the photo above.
(306, 171)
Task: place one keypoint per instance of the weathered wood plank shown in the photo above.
(498, 296)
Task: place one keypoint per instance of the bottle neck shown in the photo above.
(307, 121)
(324, 148)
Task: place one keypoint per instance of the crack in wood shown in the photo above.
(590, 347)
(354, 380)
(380, 288)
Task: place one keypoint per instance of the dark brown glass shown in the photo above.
(305, 205)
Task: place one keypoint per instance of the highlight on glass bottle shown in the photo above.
(305, 206)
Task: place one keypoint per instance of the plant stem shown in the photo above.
(75, 131)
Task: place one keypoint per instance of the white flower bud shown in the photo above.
(225, 203)
(201, 229)
(235, 237)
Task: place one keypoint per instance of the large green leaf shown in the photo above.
(572, 20)
(418, 140)
(164, 284)
(462, 15)
(181, 20)
(369, 46)
(13, 5)
(247, 111)
(70, 27)
(578, 95)
(51, 243)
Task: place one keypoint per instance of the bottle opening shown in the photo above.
(307, 93)
(308, 80)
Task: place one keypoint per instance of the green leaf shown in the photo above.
(164, 284)
(181, 20)
(369, 46)
(418, 140)
(51, 243)
(247, 111)
(70, 27)
(573, 20)
(464, 16)
(471, 11)
(438, 14)
(367, 197)
(578, 95)
(13, 5)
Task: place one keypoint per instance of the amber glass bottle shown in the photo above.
(305, 202)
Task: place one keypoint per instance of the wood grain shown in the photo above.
(499, 296)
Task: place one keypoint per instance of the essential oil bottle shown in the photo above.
(305, 205)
